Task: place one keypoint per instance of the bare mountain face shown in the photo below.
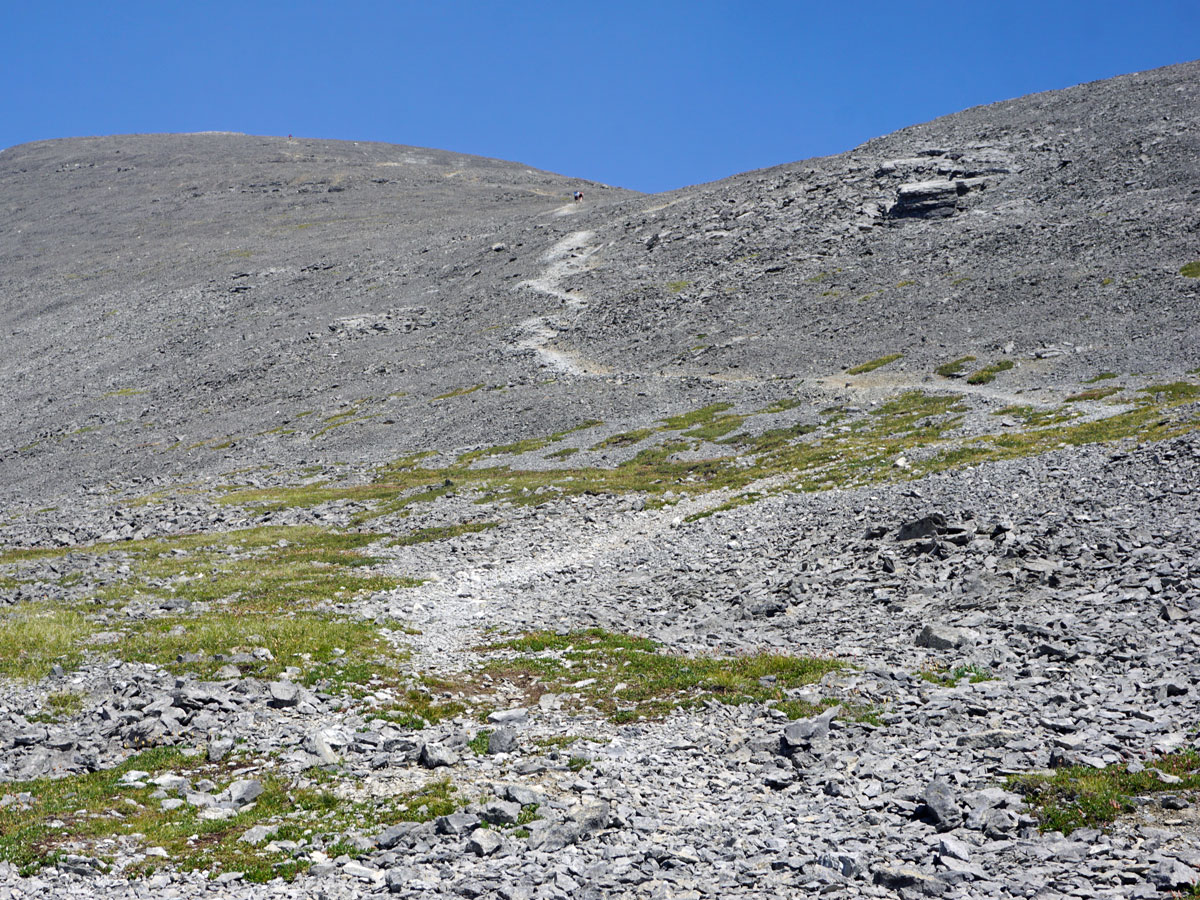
(172, 289)
(764, 537)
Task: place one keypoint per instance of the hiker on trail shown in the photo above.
(578, 196)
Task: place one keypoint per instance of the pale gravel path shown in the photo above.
(453, 606)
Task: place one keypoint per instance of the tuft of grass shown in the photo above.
(1102, 376)
(676, 287)
(417, 707)
(1083, 797)
(441, 533)
(988, 373)
(715, 429)
(265, 569)
(1191, 270)
(627, 677)
(83, 813)
(624, 439)
(955, 367)
(527, 445)
(1093, 394)
(703, 416)
(34, 637)
(1035, 417)
(1174, 392)
(346, 654)
(479, 743)
(941, 675)
(459, 392)
(781, 405)
(58, 706)
(874, 364)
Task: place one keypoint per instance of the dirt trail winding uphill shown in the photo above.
(570, 256)
(450, 610)
(878, 386)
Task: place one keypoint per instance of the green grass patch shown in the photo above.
(57, 706)
(459, 392)
(257, 587)
(676, 287)
(874, 364)
(627, 677)
(1175, 392)
(82, 813)
(22, 554)
(267, 568)
(346, 417)
(526, 445)
(1102, 376)
(418, 707)
(441, 533)
(844, 449)
(703, 416)
(715, 429)
(988, 374)
(1083, 797)
(1037, 417)
(1092, 395)
(781, 405)
(125, 392)
(1146, 423)
(34, 637)
(955, 367)
(1191, 270)
(345, 653)
(624, 439)
(946, 677)
(563, 453)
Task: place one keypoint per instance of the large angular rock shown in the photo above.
(1172, 875)
(502, 740)
(244, 791)
(501, 812)
(808, 734)
(284, 694)
(436, 756)
(926, 199)
(456, 823)
(912, 881)
(941, 804)
(484, 842)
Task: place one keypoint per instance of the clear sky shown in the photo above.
(646, 95)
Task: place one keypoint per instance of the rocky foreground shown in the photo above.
(1063, 590)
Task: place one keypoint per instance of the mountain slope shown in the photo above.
(382, 521)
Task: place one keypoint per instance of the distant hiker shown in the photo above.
(578, 196)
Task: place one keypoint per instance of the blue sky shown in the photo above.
(645, 95)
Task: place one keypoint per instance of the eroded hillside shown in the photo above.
(381, 520)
